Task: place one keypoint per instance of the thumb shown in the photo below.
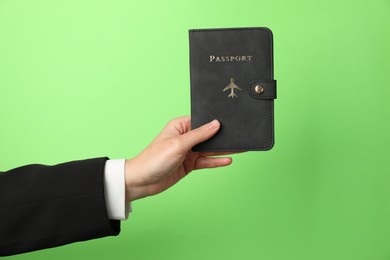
(200, 134)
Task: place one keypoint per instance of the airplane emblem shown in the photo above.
(232, 86)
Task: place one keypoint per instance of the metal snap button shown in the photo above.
(259, 89)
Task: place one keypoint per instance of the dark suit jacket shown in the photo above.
(47, 206)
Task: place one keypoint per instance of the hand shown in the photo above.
(169, 158)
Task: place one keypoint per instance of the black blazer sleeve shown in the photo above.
(47, 206)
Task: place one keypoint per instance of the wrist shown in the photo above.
(133, 186)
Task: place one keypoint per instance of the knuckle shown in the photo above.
(174, 144)
(181, 124)
(172, 121)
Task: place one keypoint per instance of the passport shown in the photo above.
(232, 80)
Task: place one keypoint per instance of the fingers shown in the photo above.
(211, 162)
(176, 127)
(180, 124)
(199, 134)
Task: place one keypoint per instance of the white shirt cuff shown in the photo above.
(114, 190)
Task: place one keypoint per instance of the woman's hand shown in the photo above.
(168, 158)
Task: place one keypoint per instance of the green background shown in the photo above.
(82, 79)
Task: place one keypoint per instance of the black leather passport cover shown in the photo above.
(232, 80)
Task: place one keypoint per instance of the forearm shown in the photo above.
(46, 206)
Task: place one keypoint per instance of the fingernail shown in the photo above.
(214, 124)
